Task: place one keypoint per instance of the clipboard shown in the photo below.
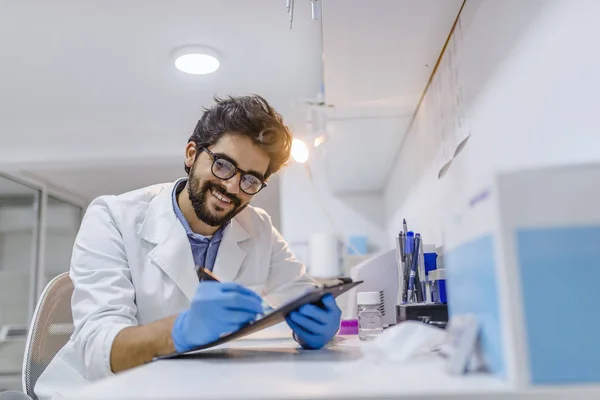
(313, 296)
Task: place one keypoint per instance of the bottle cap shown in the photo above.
(368, 298)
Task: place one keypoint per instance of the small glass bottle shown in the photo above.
(370, 320)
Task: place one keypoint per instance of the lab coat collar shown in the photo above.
(160, 218)
(173, 253)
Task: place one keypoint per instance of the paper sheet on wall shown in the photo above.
(446, 104)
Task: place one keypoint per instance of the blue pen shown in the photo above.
(414, 259)
(409, 243)
(408, 249)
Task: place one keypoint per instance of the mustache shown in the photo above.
(222, 191)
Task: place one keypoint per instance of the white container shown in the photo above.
(370, 320)
(325, 256)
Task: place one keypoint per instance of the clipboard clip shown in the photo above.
(335, 282)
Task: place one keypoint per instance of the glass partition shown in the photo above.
(28, 217)
(19, 244)
(62, 224)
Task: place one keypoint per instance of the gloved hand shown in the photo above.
(217, 308)
(314, 326)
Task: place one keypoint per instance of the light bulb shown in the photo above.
(319, 140)
(299, 151)
(197, 64)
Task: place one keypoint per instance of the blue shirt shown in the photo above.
(204, 249)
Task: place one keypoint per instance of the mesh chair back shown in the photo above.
(13, 395)
(50, 330)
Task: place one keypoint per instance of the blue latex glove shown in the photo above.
(217, 308)
(314, 326)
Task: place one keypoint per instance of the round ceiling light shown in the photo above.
(196, 60)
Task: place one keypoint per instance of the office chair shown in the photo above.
(13, 395)
(50, 329)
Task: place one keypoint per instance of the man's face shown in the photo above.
(216, 201)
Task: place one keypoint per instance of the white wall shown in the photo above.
(269, 200)
(302, 209)
(531, 85)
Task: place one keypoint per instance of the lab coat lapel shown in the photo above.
(175, 258)
(231, 255)
(172, 251)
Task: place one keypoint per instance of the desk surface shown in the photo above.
(277, 369)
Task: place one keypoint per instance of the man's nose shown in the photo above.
(233, 184)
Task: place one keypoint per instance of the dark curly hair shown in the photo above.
(251, 116)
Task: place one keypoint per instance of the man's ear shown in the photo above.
(190, 154)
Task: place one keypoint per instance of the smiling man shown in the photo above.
(134, 267)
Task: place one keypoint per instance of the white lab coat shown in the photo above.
(132, 264)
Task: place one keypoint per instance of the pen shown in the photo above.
(423, 274)
(205, 274)
(413, 269)
(420, 292)
(408, 263)
(400, 269)
(425, 287)
(402, 242)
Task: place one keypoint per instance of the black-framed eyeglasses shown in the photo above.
(225, 169)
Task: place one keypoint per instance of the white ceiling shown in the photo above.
(90, 100)
(90, 84)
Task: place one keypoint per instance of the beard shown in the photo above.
(198, 197)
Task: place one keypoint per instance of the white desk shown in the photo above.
(277, 369)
